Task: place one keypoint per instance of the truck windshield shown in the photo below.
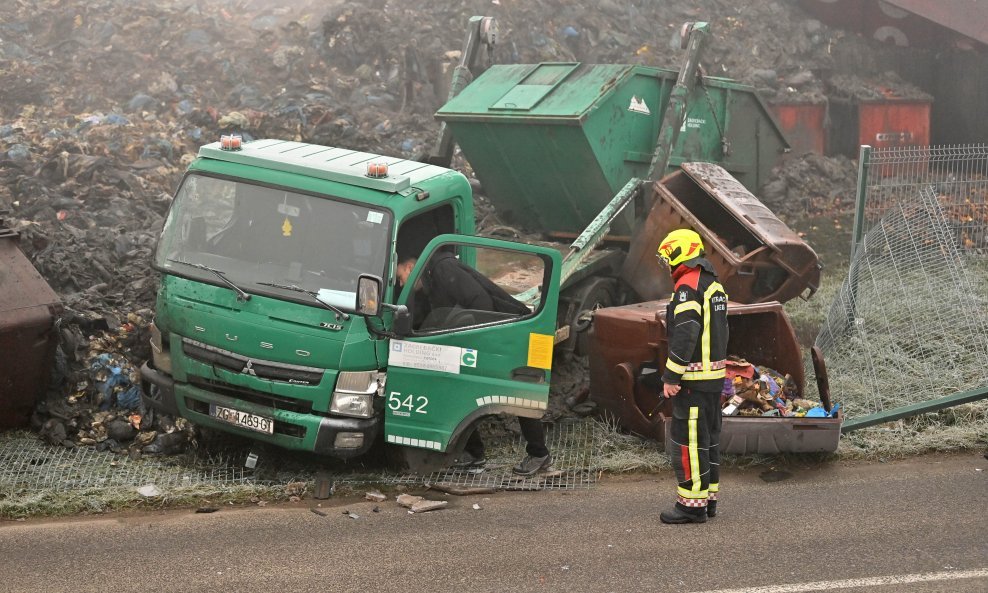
(258, 236)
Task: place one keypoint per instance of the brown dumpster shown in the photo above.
(28, 310)
(758, 258)
(624, 339)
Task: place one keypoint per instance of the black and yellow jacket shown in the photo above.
(696, 327)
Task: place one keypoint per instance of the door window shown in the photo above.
(464, 286)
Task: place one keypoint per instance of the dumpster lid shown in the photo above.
(560, 92)
(741, 204)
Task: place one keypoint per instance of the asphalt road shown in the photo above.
(911, 526)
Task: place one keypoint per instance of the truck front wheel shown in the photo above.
(596, 294)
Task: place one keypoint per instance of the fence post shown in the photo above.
(864, 163)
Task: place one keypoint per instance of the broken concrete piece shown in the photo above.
(407, 500)
(375, 496)
(424, 506)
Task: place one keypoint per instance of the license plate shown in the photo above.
(243, 419)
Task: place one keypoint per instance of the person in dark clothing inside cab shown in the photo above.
(451, 294)
(697, 331)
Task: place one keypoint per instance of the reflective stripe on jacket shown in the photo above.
(696, 328)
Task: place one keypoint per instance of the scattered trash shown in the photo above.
(318, 512)
(207, 509)
(351, 514)
(476, 507)
(251, 461)
(295, 488)
(753, 390)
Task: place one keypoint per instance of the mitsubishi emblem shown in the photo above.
(249, 369)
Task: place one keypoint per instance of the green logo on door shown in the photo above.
(468, 358)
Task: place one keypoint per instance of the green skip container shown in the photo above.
(552, 143)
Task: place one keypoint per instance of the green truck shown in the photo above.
(279, 315)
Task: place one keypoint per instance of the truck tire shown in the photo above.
(597, 293)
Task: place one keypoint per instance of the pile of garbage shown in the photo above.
(106, 102)
(755, 390)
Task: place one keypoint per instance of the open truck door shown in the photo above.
(454, 364)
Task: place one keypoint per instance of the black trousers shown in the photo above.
(531, 428)
(695, 432)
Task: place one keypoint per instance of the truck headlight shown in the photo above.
(354, 393)
(161, 356)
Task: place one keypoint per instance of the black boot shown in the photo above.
(678, 515)
(711, 509)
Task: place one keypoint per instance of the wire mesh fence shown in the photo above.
(28, 466)
(910, 323)
(574, 447)
(958, 176)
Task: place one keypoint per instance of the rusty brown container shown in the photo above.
(623, 339)
(28, 310)
(804, 125)
(886, 122)
(757, 257)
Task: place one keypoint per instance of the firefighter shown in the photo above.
(696, 322)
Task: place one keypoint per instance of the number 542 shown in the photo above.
(411, 403)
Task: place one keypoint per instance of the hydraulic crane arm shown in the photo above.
(481, 32)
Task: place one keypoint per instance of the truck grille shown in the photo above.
(268, 400)
(262, 369)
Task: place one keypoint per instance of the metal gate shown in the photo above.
(908, 331)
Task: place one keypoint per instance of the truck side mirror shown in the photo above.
(369, 295)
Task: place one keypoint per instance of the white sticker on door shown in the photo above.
(429, 357)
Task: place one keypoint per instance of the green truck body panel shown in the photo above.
(552, 143)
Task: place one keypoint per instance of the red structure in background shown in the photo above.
(804, 125)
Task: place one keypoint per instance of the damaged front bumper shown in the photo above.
(325, 435)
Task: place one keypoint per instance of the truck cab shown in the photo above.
(259, 329)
